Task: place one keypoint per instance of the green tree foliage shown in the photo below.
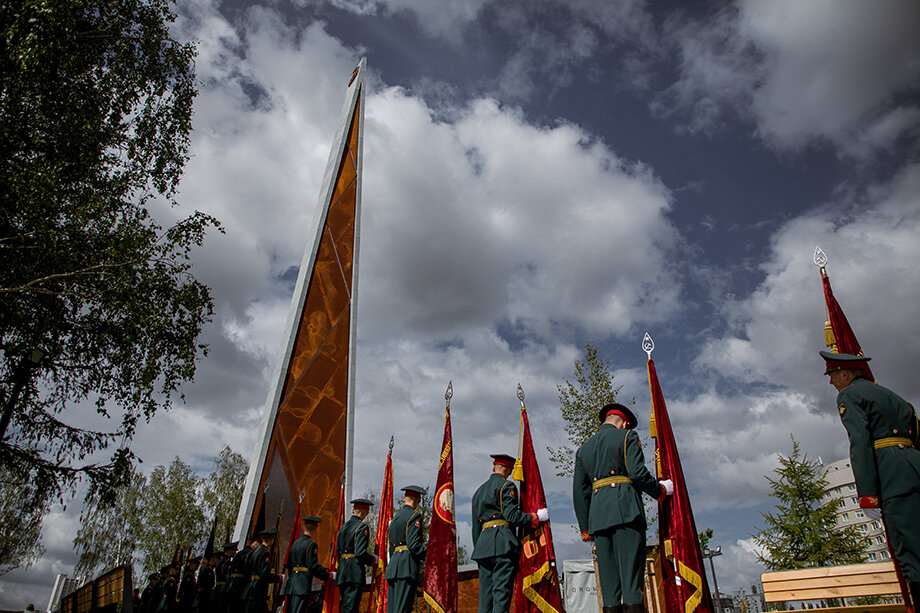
(579, 403)
(111, 529)
(149, 517)
(802, 532)
(22, 508)
(223, 490)
(95, 108)
(171, 514)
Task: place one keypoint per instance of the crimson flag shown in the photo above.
(293, 537)
(378, 603)
(330, 592)
(684, 577)
(440, 588)
(537, 583)
(844, 341)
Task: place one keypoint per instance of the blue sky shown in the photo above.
(543, 174)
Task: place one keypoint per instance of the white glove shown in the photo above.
(376, 559)
(668, 486)
(873, 513)
(543, 514)
(332, 576)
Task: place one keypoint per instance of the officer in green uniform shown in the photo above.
(610, 475)
(406, 551)
(188, 587)
(351, 547)
(496, 513)
(883, 432)
(205, 580)
(239, 579)
(222, 578)
(258, 565)
(168, 602)
(303, 564)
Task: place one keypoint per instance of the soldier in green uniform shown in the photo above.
(188, 587)
(153, 580)
(303, 564)
(222, 578)
(351, 547)
(205, 580)
(496, 513)
(406, 551)
(610, 475)
(883, 432)
(168, 599)
(261, 577)
(239, 578)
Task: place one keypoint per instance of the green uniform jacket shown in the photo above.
(871, 412)
(167, 602)
(260, 575)
(303, 556)
(221, 577)
(239, 577)
(405, 530)
(497, 499)
(611, 452)
(352, 539)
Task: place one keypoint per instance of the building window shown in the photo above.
(844, 516)
(853, 500)
(875, 525)
(879, 540)
(872, 557)
(884, 555)
(860, 513)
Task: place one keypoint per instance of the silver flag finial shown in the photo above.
(450, 391)
(392, 440)
(520, 394)
(820, 257)
(648, 345)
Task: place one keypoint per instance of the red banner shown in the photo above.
(537, 583)
(378, 602)
(440, 589)
(684, 578)
(844, 338)
(330, 592)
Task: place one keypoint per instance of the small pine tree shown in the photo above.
(801, 532)
(579, 404)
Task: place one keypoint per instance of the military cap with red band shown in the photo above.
(502, 459)
(362, 503)
(622, 411)
(843, 361)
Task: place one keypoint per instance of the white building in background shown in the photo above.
(841, 485)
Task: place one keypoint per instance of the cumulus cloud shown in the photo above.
(804, 73)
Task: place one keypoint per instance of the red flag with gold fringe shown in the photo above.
(684, 577)
(330, 592)
(537, 582)
(378, 602)
(440, 588)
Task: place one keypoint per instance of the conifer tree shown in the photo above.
(802, 531)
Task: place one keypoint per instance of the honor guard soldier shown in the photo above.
(239, 578)
(168, 599)
(351, 547)
(303, 564)
(148, 592)
(261, 577)
(883, 432)
(222, 578)
(406, 551)
(205, 580)
(188, 587)
(610, 476)
(496, 513)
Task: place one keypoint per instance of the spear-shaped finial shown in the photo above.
(392, 440)
(520, 394)
(820, 258)
(648, 345)
(449, 393)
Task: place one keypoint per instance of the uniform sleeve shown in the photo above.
(414, 535)
(312, 562)
(862, 458)
(477, 523)
(362, 538)
(635, 467)
(581, 493)
(511, 508)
